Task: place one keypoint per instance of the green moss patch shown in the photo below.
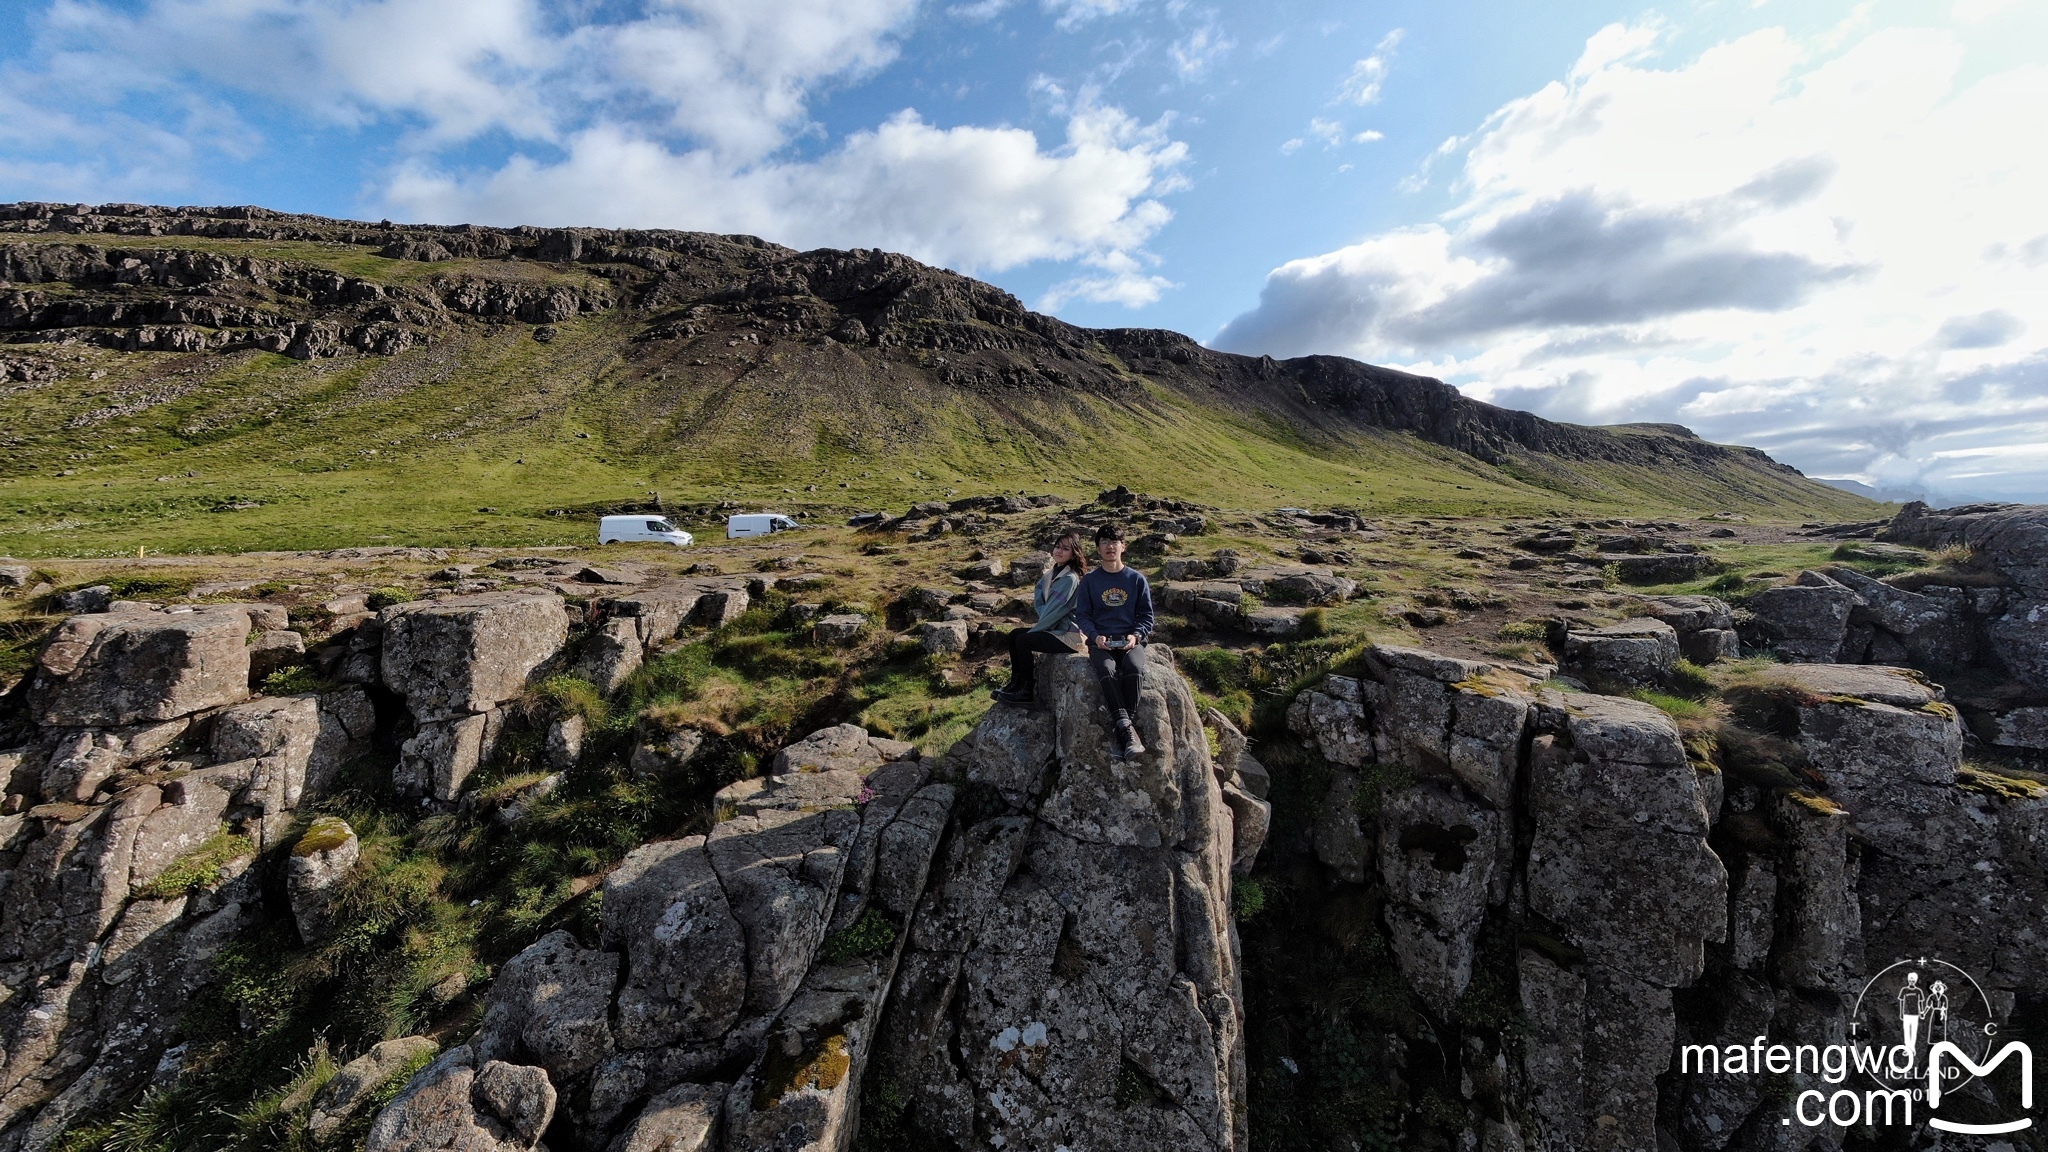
(871, 935)
(200, 868)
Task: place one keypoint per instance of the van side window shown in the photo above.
(658, 526)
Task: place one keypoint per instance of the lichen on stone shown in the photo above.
(1972, 778)
(1815, 802)
(324, 834)
(823, 1068)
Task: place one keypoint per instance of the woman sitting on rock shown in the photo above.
(1115, 614)
(1055, 596)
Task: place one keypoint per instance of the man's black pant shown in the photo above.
(1117, 668)
(1024, 648)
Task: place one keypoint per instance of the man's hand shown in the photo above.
(1097, 641)
(1130, 641)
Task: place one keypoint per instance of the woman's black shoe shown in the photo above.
(1014, 695)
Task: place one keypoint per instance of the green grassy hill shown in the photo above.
(216, 380)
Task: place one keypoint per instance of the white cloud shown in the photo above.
(1198, 51)
(1124, 282)
(969, 198)
(1831, 251)
(1978, 11)
(1362, 85)
(458, 67)
(731, 74)
(1073, 13)
(668, 113)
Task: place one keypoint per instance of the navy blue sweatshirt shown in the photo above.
(1115, 604)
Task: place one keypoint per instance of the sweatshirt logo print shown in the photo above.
(1115, 597)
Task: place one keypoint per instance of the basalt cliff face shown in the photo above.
(1520, 908)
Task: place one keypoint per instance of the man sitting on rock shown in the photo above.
(1115, 614)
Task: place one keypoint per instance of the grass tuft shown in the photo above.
(200, 868)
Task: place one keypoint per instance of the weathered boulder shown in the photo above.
(843, 628)
(1660, 568)
(466, 655)
(721, 606)
(661, 750)
(1641, 652)
(353, 1085)
(944, 637)
(438, 759)
(659, 611)
(1271, 622)
(96, 598)
(273, 652)
(1806, 621)
(686, 958)
(1705, 626)
(564, 741)
(272, 753)
(1689, 613)
(2014, 537)
(82, 760)
(1934, 628)
(128, 668)
(1217, 603)
(551, 1007)
(612, 653)
(319, 862)
(686, 1118)
(1308, 586)
(840, 748)
(1251, 819)
(465, 1105)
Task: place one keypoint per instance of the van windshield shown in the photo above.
(785, 522)
(660, 526)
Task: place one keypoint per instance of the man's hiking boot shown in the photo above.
(1129, 747)
(1015, 695)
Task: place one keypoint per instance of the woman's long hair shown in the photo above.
(1076, 558)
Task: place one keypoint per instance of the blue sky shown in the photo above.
(1812, 226)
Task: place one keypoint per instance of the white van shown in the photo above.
(757, 524)
(612, 529)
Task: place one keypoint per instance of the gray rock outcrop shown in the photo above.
(456, 661)
(1004, 971)
(2013, 539)
(128, 862)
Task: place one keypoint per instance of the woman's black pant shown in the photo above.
(1117, 668)
(1024, 648)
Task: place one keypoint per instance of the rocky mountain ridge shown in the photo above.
(86, 274)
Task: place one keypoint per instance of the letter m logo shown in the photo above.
(1944, 1048)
